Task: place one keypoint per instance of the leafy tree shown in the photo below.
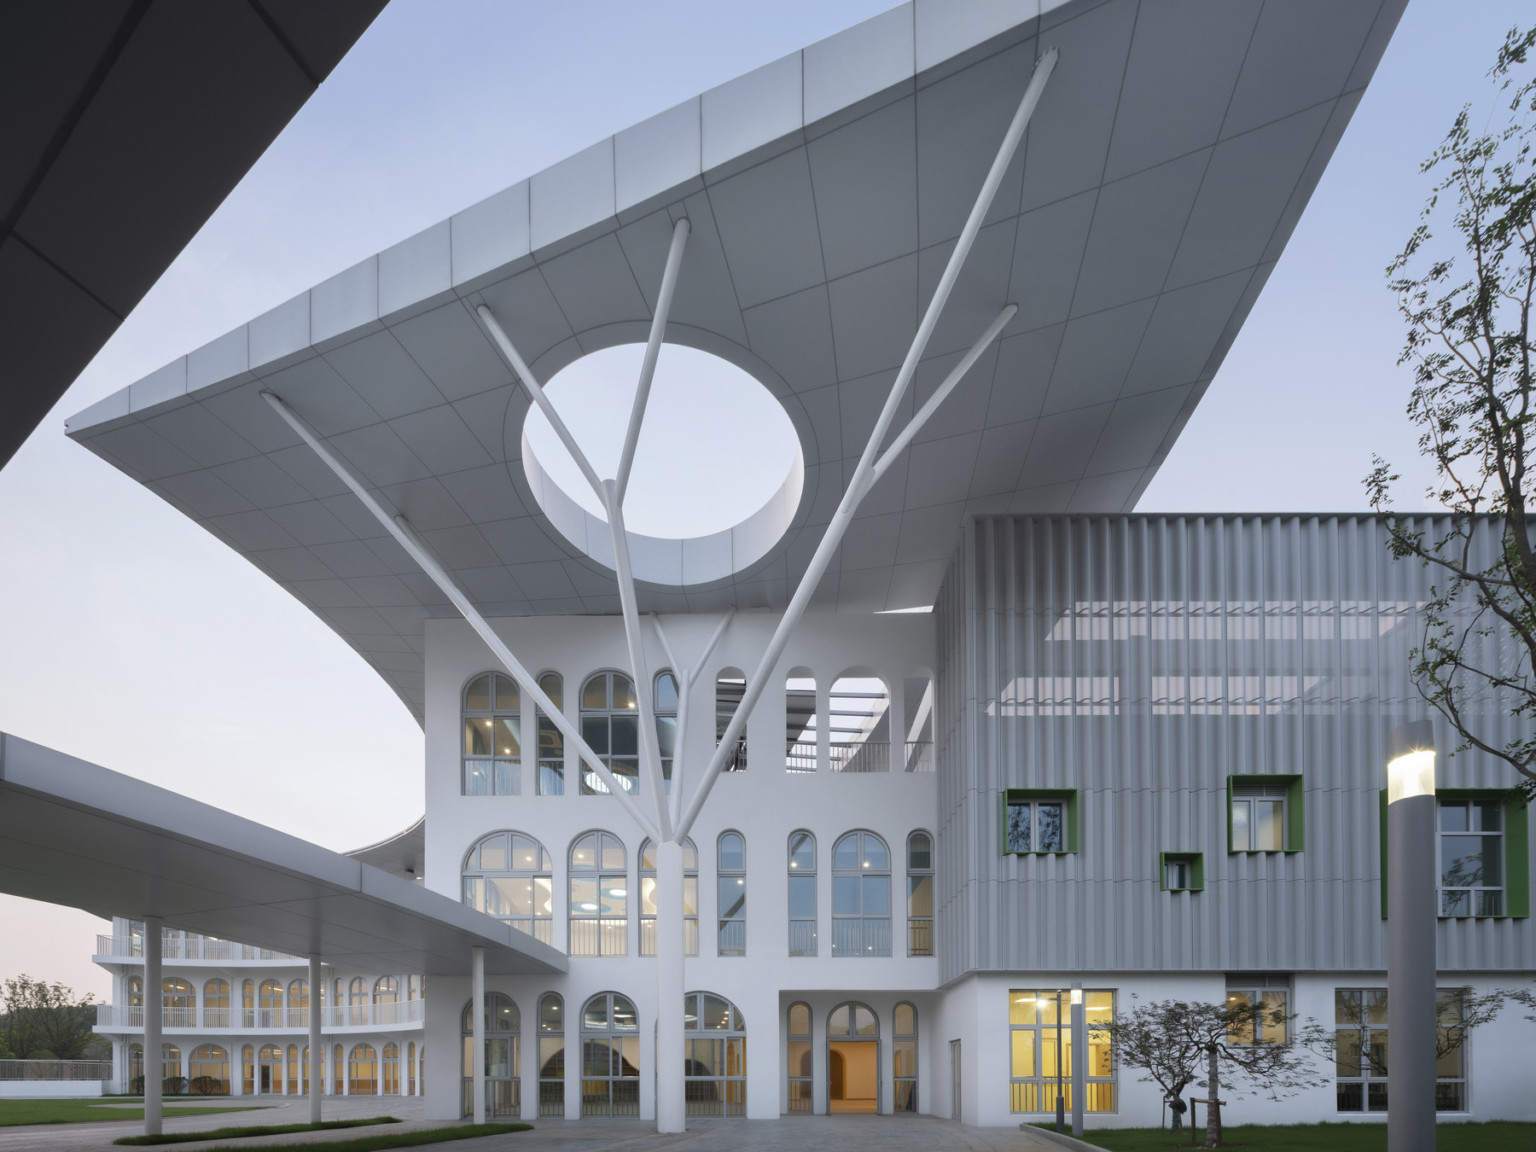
(1466, 298)
(38, 1018)
(1175, 1041)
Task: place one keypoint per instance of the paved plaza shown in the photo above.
(787, 1134)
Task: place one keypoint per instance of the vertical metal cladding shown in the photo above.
(1141, 660)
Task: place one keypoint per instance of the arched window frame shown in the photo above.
(730, 688)
(798, 1024)
(801, 725)
(211, 1060)
(919, 893)
(493, 733)
(598, 906)
(610, 1056)
(502, 1029)
(391, 1068)
(248, 1003)
(648, 897)
(520, 891)
(178, 998)
(269, 1004)
(386, 990)
(363, 1070)
(551, 779)
(270, 1058)
(216, 1003)
(861, 895)
(298, 1003)
(801, 859)
(904, 1056)
(357, 1000)
(664, 699)
(610, 724)
(731, 893)
(291, 1079)
(551, 1054)
(715, 1067)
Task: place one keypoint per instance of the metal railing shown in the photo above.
(800, 758)
(55, 1070)
(920, 937)
(920, 756)
(861, 936)
(189, 948)
(802, 937)
(1039, 1095)
(332, 1016)
(861, 756)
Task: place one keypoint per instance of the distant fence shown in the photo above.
(55, 1069)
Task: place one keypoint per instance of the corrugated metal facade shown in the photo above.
(1142, 660)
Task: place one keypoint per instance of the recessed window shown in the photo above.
(510, 876)
(861, 896)
(1265, 814)
(1182, 871)
(1471, 858)
(731, 889)
(1039, 820)
(610, 724)
(493, 729)
(599, 907)
(919, 894)
(802, 894)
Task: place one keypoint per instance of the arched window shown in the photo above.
(648, 897)
(248, 1003)
(664, 702)
(599, 905)
(386, 990)
(209, 1062)
(853, 1065)
(730, 687)
(551, 1055)
(861, 896)
(363, 1071)
(293, 1070)
(731, 893)
(858, 724)
(503, 1056)
(298, 1004)
(800, 721)
(802, 893)
(136, 1000)
(610, 724)
(180, 1003)
(801, 1075)
(357, 1001)
(493, 734)
(610, 1057)
(216, 1004)
(510, 876)
(270, 1004)
(339, 1063)
(269, 1070)
(391, 1069)
(715, 1068)
(551, 742)
(904, 1057)
(919, 894)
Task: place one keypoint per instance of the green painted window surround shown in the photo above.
(1295, 808)
(1069, 795)
(1196, 862)
(1517, 849)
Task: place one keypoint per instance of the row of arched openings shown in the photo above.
(858, 729)
(853, 1058)
(510, 875)
(270, 1069)
(608, 1032)
(272, 1004)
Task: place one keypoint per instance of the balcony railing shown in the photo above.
(55, 1069)
(920, 756)
(802, 937)
(920, 937)
(189, 948)
(864, 756)
(333, 1017)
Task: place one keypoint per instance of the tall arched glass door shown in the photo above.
(503, 1054)
(610, 1057)
(853, 1059)
(715, 1067)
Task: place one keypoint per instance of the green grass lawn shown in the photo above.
(388, 1139)
(1496, 1136)
(14, 1112)
(251, 1130)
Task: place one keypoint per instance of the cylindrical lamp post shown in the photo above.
(1411, 910)
(1079, 1059)
(1041, 1004)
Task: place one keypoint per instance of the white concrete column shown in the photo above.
(477, 1030)
(153, 1001)
(316, 1078)
(670, 1111)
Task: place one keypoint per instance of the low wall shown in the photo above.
(48, 1089)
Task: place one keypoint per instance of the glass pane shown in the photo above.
(799, 1020)
(864, 1021)
(583, 897)
(1376, 1007)
(477, 697)
(877, 895)
(1487, 815)
(1240, 836)
(919, 852)
(506, 694)
(1377, 1055)
(624, 1015)
(837, 1022)
(594, 1017)
(732, 892)
(550, 1015)
(845, 895)
(614, 895)
(1050, 829)
(513, 896)
(717, 1013)
(477, 736)
(1018, 832)
(799, 1057)
(595, 695)
(613, 852)
(554, 688)
(666, 736)
(508, 736)
(623, 693)
(594, 730)
(876, 858)
(543, 896)
(525, 854)
(1021, 1008)
(904, 1057)
(1023, 1052)
(731, 853)
(493, 854)
(1453, 817)
(1346, 1006)
(1267, 835)
(690, 896)
(802, 897)
(584, 853)
(802, 852)
(666, 693)
(845, 853)
(905, 1023)
(647, 896)
(626, 736)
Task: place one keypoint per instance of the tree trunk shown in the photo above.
(1212, 1110)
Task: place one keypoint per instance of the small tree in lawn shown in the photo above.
(1174, 1041)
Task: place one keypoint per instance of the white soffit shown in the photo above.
(1167, 164)
(74, 833)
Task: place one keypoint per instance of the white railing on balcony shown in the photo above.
(178, 947)
(333, 1017)
(802, 937)
(863, 756)
(55, 1069)
(920, 756)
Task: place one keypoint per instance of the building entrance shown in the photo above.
(853, 1060)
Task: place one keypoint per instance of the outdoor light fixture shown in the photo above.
(1077, 996)
(1410, 881)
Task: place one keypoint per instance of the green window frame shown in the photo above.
(1196, 862)
(1295, 808)
(1067, 796)
(1517, 849)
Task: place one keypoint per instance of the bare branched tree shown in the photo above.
(1468, 314)
(1171, 1039)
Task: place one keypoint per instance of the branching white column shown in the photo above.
(315, 1076)
(153, 1002)
(477, 1029)
(670, 1111)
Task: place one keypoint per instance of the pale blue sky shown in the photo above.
(132, 638)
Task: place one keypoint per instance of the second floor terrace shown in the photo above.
(224, 1018)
